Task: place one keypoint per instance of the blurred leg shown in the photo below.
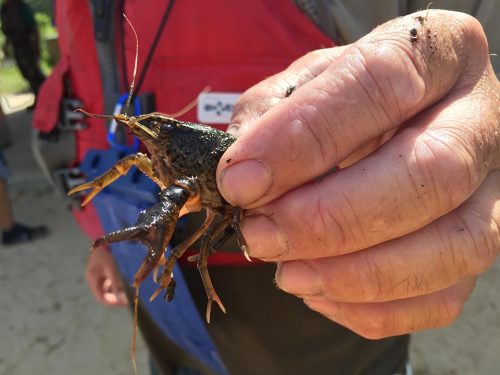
(12, 232)
(6, 218)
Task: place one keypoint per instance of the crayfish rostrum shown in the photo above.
(182, 162)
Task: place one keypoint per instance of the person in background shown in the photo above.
(21, 32)
(12, 232)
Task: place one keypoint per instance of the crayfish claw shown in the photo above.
(88, 185)
(97, 185)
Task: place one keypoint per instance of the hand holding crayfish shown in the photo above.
(392, 240)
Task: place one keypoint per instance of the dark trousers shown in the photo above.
(267, 331)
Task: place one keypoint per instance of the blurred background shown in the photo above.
(50, 321)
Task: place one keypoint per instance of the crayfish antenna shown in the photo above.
(132, 84)
(133, 349)
(94, 115)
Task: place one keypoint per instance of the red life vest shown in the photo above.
(228, 46)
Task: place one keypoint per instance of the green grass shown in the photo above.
(11, 80)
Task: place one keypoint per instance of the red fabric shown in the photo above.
(78, 55)
(221, 259)
(47, 114)
(228, 46)
(88, 220)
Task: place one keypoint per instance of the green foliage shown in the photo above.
(41, 6)
(11, 80)
(47, 32)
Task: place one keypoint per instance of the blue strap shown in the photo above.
(113, 126)
(117, 207)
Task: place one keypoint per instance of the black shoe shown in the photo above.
(20, 233)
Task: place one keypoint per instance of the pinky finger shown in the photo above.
(384, 319)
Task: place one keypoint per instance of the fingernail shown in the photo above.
(233, 129)
(299, 278)
(264, 238)
(245, 182)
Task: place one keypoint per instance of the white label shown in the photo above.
(216, 107)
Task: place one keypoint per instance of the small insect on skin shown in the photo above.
(289, 91)
(420, 19)
(413, 36)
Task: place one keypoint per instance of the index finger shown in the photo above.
(379, 82)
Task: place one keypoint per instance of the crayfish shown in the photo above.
(183, 160)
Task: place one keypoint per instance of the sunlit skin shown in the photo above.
(392, 240)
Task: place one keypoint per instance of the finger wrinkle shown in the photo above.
(321, 133)
(450, 305)
(352, 221)
(395, 70)
(371, 283)
(371, 93)
(484, 237)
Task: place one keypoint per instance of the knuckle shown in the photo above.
(482, 241)
(390, 76)
(471, 31)
(448, 166)
(450, 308)
(336, 222)
(310, 56)
(313, 124)
(322, 229)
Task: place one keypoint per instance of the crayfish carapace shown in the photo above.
(182, 162)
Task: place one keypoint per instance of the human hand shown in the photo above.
(392, 242)
(103, 279)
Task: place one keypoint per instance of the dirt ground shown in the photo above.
(51, 324)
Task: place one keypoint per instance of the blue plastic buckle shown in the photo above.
(113, 125)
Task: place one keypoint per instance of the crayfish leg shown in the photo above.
(179, 250)
(206, 249)
(235, 224)
(125, 234)
(122, 166)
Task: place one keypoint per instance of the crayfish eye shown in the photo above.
(166, 129)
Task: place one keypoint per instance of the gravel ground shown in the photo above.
(51, 324)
